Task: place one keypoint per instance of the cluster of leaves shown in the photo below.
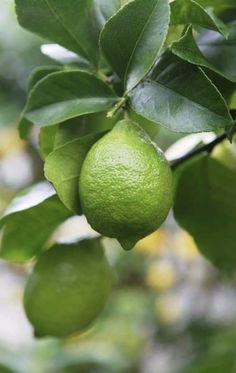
(171, 63)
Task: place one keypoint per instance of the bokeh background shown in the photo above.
(171, 311)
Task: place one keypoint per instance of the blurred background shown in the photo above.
(171, 311)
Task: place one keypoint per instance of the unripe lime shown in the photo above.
(125, 184)
(67, 289)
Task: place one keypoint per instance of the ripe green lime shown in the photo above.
(68, 289)
(125, 185)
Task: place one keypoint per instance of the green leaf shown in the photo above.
(168, 98)
(38, 74)
(205, 206)
(53, 137)
(74, 24)
(219, 52)
(187, 49)
(29, 222)
(41, 72)
(63, 167)
(70, 130)
(132, 39)
(190, 12)
(82, 126)
(46, 140)
(24, 127)
(225, 86)
(67, 94)
(222, 4)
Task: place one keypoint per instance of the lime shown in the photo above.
(68, 289)
(125, 184)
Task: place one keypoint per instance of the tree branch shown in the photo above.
(205, 148)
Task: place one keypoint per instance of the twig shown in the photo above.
(118, 106)
(205, 148)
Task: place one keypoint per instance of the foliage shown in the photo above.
(171, 63)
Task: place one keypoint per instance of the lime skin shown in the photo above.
(68, 289)
(125, 185)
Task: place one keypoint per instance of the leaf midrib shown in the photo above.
(138, 40)
(65, 27)
(186, 98)
(72, 101)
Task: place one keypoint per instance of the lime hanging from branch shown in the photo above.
(125, 185)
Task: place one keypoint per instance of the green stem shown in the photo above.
(117, 107)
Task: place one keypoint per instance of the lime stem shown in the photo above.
(117, 107)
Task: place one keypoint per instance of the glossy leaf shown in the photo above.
(46, 140)
(63, 167)
(74, 24)
(82, 126)
(190, 12)
(24, 127)
(53, 137)
(39, 73)
(132, 39)
(206, 207)
(67, 94)
(29, 222)
(187, 49)
(219, 52)
(168, 98)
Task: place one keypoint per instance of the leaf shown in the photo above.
(205, 206)
(53, 137)
(70, 130)
(82, 126)
(24, 127)
(187, 49)
(168, 98)
(74, 24)
(63, 167)
(29, 222)
(219, 52)
(39, 73)
(46, 140)
(190, 12)
(222, 4)
(67, 94)
(132, 39)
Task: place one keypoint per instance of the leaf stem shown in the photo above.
(205, 148)
(118, 106)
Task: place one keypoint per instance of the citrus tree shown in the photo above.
(124, 68)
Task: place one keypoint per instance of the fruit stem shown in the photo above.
(205, 148)
(118, 106)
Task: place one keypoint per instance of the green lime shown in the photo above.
(68, 289)
(125, 185)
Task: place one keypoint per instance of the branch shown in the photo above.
(120, 104)
(205, 148)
